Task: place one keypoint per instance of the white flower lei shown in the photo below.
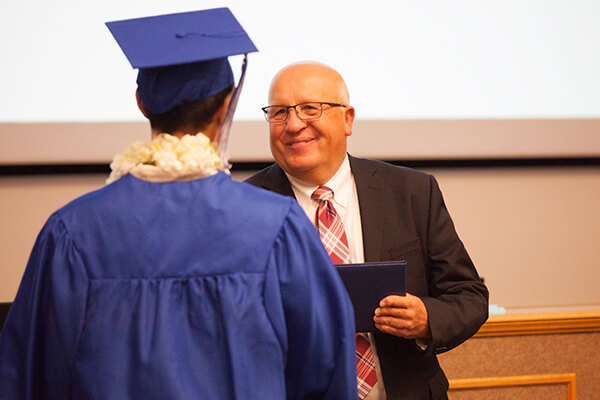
(167, 158)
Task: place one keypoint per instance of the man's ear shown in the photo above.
(348, 119)
(140, 105)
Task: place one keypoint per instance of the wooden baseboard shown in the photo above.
(541, 323)
(523, 380)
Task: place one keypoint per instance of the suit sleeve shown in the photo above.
(458, 300)
(316, 321)
(39, 338)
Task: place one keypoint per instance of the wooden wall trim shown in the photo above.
(523, 380)
(541, 323)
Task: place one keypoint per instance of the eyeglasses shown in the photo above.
(305, 111)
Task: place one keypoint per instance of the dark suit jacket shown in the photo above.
(404, 217)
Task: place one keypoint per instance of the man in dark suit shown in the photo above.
(389, 213)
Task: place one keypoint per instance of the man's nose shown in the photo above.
(294, 123)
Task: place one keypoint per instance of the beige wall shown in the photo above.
(532, 232)
(86, 142)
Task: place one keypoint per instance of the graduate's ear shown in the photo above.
(219, 116)
(140, 105)
(212, 129)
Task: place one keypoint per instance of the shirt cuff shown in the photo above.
(423, 344)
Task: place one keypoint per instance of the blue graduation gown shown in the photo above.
(207, 289)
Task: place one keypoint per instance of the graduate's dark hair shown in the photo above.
(190, 117)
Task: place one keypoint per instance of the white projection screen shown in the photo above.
(429, 79)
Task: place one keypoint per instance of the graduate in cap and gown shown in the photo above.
(175, 281)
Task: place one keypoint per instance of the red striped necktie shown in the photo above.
(333, 236)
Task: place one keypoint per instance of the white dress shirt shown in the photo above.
(345, 202)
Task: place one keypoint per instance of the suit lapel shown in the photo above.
(276, 181)
(369, 188)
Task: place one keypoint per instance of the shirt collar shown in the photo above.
(340, 183)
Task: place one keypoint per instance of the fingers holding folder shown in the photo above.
(404, 316)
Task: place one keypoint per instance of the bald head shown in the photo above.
(310, 74)
(311, 149)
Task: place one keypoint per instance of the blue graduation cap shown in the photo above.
(181, 57)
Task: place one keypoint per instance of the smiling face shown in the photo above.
(310, 150)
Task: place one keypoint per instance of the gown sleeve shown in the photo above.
(316, 320)
(39, 338)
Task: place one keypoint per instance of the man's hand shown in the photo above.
(404, 316)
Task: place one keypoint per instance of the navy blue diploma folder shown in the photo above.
(368, 283)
